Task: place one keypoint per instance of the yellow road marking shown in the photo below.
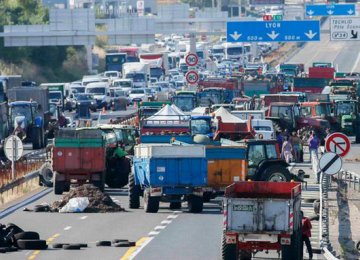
(131, 250)
(48, 241)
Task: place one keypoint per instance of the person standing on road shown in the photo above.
(295, 142)
(306, 234)
(314, 144)
(286, 150)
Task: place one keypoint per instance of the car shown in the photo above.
(83, 98)
(124, 84)
(138, 95)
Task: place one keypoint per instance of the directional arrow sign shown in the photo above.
(345, 29)
(273, 31)
(331, 9)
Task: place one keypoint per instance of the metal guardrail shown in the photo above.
(351, 178)
(20, 181)
(324, 238)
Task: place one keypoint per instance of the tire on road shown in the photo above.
(122, 244)
(28, 235)
(46, 176)
(228, 251)
(134, 193)
(59, 245)
(195, 204)
(71, 247)
(103, 243)
(244, 255)
(58, 185)
(32, 244)
(276, 173)
(114, 241)
(151, 204)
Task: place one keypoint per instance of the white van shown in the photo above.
(99, 90)
(263, 127)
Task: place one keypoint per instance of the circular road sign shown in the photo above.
(338, 143)
(192, 77)
(13, 148)
(330, 163)
(191, 60)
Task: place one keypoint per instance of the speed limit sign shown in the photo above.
(192, 77)
(191, 59)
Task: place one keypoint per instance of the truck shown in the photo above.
(169, 173)
(185, 100)
(293, 70)
(312, 85)
(262, 216)
(27, 108)
(138, 72)
(258, 87)
(158, 62)
(290, 116)
(56, 93)
(91, 155)
(7, 82)
(348, 116)
(321, 72)
(209, 96)
(115, 61)
(231, 86)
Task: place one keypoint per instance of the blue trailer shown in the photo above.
(168, 173)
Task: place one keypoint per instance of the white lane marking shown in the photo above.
(159, 227)
(166, 222)
(153, 233)
(137, 251)
(84, 217)
(356, 63)
(172, 216)
(177, 212)
(67, 228)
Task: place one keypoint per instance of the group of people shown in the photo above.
(292, 145)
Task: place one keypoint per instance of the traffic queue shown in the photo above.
(202, 125)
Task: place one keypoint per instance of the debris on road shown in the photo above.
(98, 201)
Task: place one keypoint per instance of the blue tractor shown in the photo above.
(27, 122)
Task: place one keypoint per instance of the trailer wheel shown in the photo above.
(58, 185)
(228, 251)
(134, 193)
(100, 183)
(195, 204)
(244, 255)
(151, 204)
(276, 173)
(120, 176)
(36, 138)
(207, 196)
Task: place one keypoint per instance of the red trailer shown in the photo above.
(322, 72)
(79, 156)
(261, 216)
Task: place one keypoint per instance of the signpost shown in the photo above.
(191, 60)
(330, 163)
(192, 77)
(330, 9)
(13, 148)
(140, 7)
(274, 31)
(344, 29)
(338, 143)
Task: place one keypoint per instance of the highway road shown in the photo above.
(344, 55)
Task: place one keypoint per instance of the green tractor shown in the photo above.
(347, 112)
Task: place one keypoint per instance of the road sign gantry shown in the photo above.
(273, 31)
(330, 9)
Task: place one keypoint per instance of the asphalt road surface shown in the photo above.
(344, 55)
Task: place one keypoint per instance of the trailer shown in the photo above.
(262, 216)
(78, 156)
(169, 173)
